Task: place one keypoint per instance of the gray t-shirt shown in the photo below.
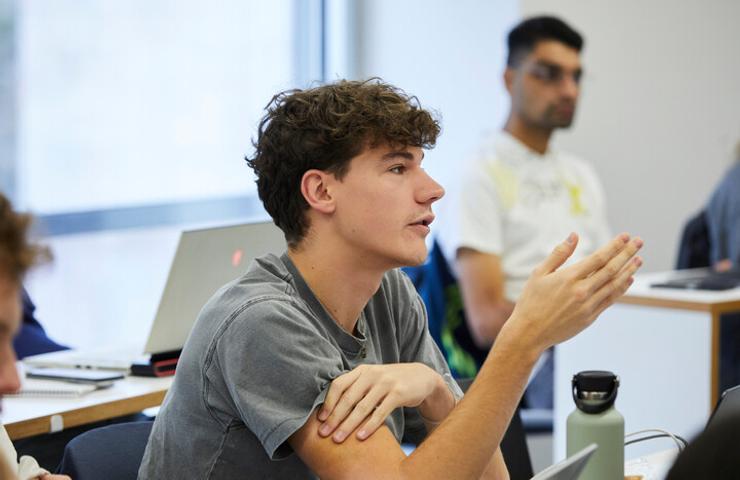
(260, 359)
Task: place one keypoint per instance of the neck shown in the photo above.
(536, 138)
(339, 279)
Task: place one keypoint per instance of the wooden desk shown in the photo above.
(27, 416)
(664, 345)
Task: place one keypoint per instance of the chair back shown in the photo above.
(113, 452)
(693, 251)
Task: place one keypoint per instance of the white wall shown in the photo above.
(450, 55)
(660, 112)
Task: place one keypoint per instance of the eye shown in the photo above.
(577, 76)
(397, 169)
(552, 73)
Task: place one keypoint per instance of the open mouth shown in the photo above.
(426, 221)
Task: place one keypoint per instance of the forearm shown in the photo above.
(437, 406)
(474, 429)
(496, 468)
(486, 318)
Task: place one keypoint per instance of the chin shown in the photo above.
(416, 258)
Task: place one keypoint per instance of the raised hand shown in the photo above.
(557, 304)
(369, 393)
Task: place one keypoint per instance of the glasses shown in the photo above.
(553, 74)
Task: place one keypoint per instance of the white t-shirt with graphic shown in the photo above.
(518, 204)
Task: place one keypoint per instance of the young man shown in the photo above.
(518, 197)
(16, 256)
(314, 363)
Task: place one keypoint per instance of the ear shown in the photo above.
(509, 74)
(314, 188)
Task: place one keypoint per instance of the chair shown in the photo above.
(113, 452)
(693, 251)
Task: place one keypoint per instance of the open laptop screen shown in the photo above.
(727, 406)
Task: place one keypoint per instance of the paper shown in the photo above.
(33, 387)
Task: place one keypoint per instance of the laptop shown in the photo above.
(728, 406)
(703, 279)
(204, 261)
(570, 468)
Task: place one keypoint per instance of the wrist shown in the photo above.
(439, 403)
(524, 341)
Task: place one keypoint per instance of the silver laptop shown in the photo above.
(205, 260)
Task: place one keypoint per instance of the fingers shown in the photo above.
(614, 289)
(368, 406)
(336, 389)
(601, 257)
(377, 419)
(351, 399)
(614, 266)
(559, 255)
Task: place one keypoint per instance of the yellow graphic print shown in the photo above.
(506, 183)
(576, 201)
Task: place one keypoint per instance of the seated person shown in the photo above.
(16, 256)
(519, 196)
(315, 362)
(723, 220)
(723, 224)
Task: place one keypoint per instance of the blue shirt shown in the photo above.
(723, 218)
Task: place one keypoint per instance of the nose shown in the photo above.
(430, 191)
(9, 380)
(569, 87)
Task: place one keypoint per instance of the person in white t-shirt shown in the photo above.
(16, 256)
(518, 196)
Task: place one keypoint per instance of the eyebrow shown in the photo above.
(390, 156)
(545, 63)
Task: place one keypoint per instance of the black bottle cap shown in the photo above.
(602, 383)
(594, 381)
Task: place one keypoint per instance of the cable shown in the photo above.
(680, 442)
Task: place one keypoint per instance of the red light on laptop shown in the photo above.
(236, 257)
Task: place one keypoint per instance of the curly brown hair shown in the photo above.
(17, 253)
(324, 128)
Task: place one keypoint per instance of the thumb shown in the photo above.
(559, 255)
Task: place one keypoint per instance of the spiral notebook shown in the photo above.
(33, 387)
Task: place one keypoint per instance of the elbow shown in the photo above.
(485, 326)
(483, 331)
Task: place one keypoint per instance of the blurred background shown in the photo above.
(123, 122)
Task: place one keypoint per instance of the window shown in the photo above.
(134, 103)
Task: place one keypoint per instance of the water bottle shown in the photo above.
(595, 420)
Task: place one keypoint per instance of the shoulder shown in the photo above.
(399, 297)
(264, 299)
(730, 184)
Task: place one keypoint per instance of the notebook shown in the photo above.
(33, 387)
(204, 261)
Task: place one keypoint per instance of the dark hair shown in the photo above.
(17, 253)
(525, 37)
(324, 128)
